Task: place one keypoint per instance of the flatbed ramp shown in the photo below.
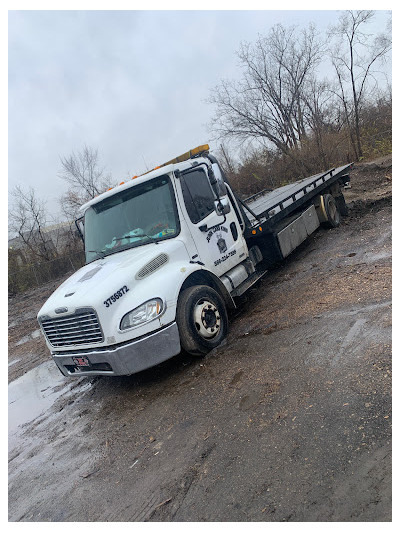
(268, 207)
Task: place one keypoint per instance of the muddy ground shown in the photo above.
(290, 420)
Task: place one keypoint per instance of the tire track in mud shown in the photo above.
(179, 490)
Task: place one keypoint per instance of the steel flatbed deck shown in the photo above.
(267, 208)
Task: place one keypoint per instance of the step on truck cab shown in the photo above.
(167, 255)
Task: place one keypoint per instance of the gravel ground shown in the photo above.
(290, 420)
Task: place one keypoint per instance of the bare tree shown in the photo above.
(321, 118)
(28, 218)
(353, 58)
(226, 159)
(86, 178)
(70, 203)
(267, 104)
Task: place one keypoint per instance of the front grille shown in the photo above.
(80, 328)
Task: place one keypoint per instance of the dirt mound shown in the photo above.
(359, 208)
(382, 163)
(370, 182)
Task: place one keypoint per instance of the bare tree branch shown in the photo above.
(268, 103)
(28, 218)
(353, 58)
(85, 177)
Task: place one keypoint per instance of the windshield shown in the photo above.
(140, 215)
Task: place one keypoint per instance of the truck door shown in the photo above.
(218, 237)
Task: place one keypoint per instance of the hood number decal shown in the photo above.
(116, 296)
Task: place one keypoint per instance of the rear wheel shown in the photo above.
(202, 319)
(331, 211)
(341, 205)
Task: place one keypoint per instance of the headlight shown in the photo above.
(146, 312)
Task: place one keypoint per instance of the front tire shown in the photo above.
(202, 319)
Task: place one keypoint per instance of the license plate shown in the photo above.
(81, 361)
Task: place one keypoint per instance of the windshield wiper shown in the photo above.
(103, 253)
(143, 234)
(98, 252)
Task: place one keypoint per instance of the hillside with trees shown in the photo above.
(304, 103)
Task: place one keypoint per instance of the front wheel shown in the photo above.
(202, 319)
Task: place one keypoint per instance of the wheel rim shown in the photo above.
(207, 319)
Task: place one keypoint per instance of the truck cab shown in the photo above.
(155, 243)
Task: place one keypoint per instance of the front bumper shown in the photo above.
(124, 359)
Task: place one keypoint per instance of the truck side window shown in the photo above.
(197, 194)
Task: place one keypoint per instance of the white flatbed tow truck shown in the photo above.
(167, 255)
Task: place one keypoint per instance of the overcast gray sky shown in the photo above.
(132, 84)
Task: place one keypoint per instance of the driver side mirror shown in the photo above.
(222, 206)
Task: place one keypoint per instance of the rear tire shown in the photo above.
(202, 319)
(331, 211)
(341, 205)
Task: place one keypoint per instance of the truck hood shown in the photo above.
(98, 280)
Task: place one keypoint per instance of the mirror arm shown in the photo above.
(79, 230)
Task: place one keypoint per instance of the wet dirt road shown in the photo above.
(290, 420)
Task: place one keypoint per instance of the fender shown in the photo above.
(175, 277)
(202, 276)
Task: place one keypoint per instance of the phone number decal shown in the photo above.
(224, 258)
(116, 296)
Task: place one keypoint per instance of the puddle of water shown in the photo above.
(34, 335)
(33, 393)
